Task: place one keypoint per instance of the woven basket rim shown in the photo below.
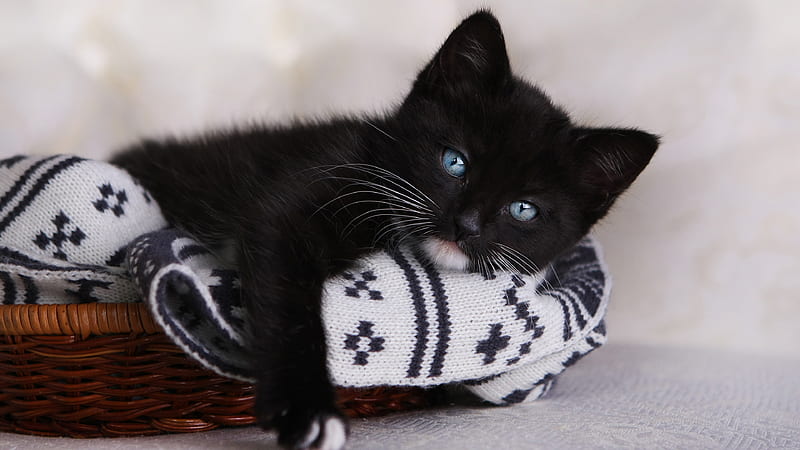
(83, 319)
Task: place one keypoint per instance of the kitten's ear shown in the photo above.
(611, 158)
(474, 55)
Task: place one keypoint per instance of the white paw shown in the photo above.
(311, 435)
(335, 434)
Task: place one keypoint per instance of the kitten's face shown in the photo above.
(493, 168)
(510, 181)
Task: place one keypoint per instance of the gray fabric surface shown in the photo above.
(620, 396)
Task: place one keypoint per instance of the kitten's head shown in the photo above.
(514, 182)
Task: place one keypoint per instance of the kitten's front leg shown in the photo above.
(283, 289)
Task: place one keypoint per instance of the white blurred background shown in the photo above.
(704, 249)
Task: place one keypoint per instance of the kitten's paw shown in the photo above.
(321, 430)
(305, 425)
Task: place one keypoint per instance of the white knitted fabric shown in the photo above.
(72, 209)
(60, 210)
(391, 320)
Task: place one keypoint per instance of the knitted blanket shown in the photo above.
(74, 230)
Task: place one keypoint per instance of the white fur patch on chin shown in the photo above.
(445, 254)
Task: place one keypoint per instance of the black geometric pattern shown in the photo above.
(85, 292)
(522, 313)
(519, 395)
(492, 344)
(65, 232)
(30, 289)
(111, 200)
(9, 288)
(421, 323)
(228, 293)
(35, 189)
(10, 162)
(581, 273)
(363, 343)
(118, 257)
(362, 285)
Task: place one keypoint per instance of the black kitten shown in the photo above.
(476, 167)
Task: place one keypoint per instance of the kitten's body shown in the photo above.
(302, 202)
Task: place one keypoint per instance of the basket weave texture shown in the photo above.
(104, 369)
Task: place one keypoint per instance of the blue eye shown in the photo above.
(523, 211)
(454, 163)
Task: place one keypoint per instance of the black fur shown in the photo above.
(286, 197)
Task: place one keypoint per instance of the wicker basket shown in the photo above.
(103, 369)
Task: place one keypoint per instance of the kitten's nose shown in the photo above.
(468, 224)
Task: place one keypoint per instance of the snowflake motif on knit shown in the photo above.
(111, 199)
(493, 344)
(362, 285)
(363, 343)
(66, 232)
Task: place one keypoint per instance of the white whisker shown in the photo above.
(382, 189)
(383, 174)
(355, 222)
(380, 173)
(409, 210)
(380, 130)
